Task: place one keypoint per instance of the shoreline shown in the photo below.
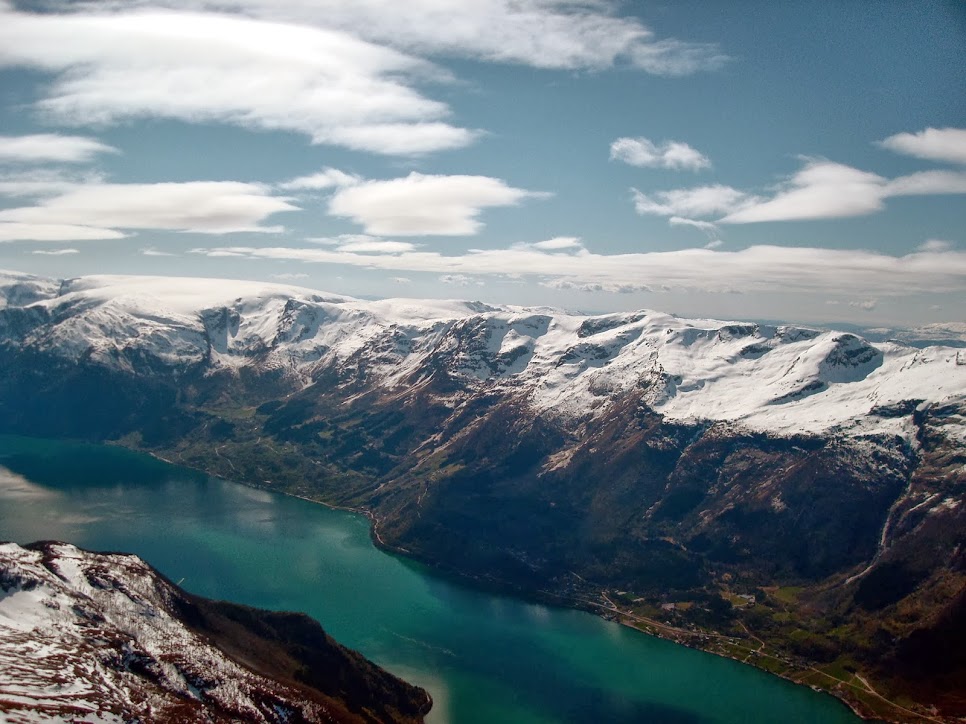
(550, 598)
(689, 639)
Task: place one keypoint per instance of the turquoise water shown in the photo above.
(484, 658)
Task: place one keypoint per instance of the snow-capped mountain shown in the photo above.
(102, 637)
(638, 457)
(778, 379)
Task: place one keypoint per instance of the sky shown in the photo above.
(753, 160)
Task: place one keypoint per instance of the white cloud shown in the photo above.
(220, 253)
(560, 34)
(56, 252)
(828, 190)
(670, 154)
(935, 144)
(363, 244)
(51, 147)
(15, 231)
(401, 139)
(926, 183)
(558, 243)
(611, 287)
(151, 251)
(290, 276)
(714, 244)
(759, 268)
(459, 280)
(401, 280)
(865, 304)
(327, 178)
(210, 207)
(698, 201)
(935, 245)
(821, 190)
(375, 246)
(34, 182)
(708, 227)
(419, 204)
(207, 67)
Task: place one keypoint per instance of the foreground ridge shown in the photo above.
(104, 637)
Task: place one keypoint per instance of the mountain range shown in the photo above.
(786, 495)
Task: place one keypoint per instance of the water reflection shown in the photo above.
(16, 486)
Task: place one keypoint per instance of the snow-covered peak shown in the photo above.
(188, 295)
(783, 379)
(94, 637)
(18, 290)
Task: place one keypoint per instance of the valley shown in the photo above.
(785, 496)
(483, 656)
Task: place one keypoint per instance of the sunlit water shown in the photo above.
(484, 658)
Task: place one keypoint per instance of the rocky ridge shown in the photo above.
(798, 487)
(104, 637)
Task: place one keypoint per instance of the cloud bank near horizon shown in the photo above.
(754, 269)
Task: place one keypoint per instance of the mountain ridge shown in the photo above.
(567, 363)
(784, 484)
(105, 637)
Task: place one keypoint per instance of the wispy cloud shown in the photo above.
(610, 287)
(935, 245)
(709, 227)
(669, 154)
(15, 231)
(555, 34)
(760, 268)
(363, 244)
(44, 181)
(151, 251)
(51, 147)
(56, 252)
(828, 190)
(558, 243)
(686, 203)
(209, 67)
(376, 246)
(935, 144)
(821, 189)
(421, 204)
(327, 178)
(459, 280)
(927, 183)
(290, 276)
(208, 207)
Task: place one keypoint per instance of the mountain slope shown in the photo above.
(104, 637)
(797, 489)
(781, 379)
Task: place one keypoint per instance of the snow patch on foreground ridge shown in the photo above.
(90, 637)
(779, 379)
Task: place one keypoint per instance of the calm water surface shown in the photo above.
(484, 658)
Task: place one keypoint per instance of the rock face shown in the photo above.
(696, 461)
(103, 637)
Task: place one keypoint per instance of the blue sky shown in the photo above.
(801, 161)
